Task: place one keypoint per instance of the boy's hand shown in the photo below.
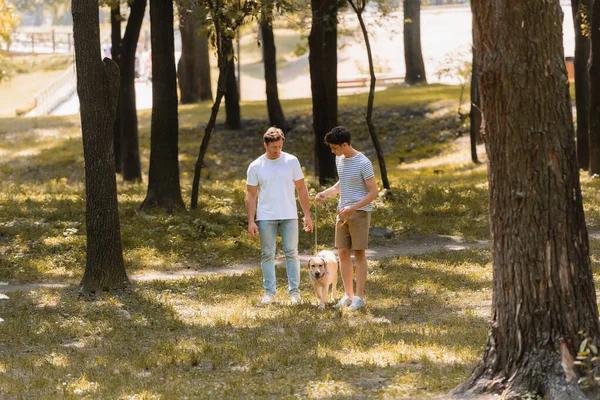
(320, 197)
(308, 224)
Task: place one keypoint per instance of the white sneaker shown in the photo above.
(357, 302)
(344, 302)
(267, 299)
(295, 298)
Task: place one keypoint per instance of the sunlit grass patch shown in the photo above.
(206, 338)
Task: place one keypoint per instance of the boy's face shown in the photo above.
(338, 149)
(273, 149)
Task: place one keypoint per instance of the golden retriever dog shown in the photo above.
(323, 271)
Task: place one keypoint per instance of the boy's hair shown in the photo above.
(338, 135)
(273, 134)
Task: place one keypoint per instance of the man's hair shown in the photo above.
(338, 135)
(273, 134)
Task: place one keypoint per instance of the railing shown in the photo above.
(57, 92)
(41, 42)
(365, 80)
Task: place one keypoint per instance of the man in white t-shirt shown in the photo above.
(273, 179)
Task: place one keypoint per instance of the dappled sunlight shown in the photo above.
(328, 388)
(54, 359)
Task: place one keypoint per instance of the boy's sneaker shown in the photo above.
(295, 298)
(267, 299)
(357, 302)
(344, 302)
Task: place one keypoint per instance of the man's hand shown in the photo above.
(253, 229)
(308, 224)
(320, 197)
(347, 212)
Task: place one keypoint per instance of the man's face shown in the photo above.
(274, 149)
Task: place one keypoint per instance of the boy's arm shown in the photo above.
(304, 203)
(371, 184)
(332, 191)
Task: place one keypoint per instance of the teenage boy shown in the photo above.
(273, 179)
(357, 189)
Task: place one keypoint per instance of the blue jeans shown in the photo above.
(288, 228)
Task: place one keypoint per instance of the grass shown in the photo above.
(423, 330)
(204, 338)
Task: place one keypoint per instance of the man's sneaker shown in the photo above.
(295, 298)
(344, 302)
(357, 302)
(267, 299)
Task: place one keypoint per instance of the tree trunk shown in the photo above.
(475, 112)
(233, 118)
(204, 66)
(413, 57)
(322, 58)
(188, 73)
(224, 49)
(132, 170)
(581, 9)
(115, 51)
(371, 99)
(97, 88)
(594, 75)
(164, 190)
(543, 288)
(276, 117)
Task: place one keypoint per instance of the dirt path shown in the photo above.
(414, 246)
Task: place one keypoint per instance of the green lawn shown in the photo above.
(421, 334)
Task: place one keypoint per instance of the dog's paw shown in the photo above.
(322, 306)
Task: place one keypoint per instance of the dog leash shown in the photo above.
(316, 224)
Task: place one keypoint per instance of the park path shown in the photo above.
(405, 247)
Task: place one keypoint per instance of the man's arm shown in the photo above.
(332, 191)
(371, 184)
(304, 203)
(251, 193)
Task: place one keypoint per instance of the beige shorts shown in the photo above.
(353, 234)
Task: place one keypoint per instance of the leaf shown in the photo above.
(593, 348)
(3, 296)
(3, 283)
(1, 320)
(582, 379)
(583, 345)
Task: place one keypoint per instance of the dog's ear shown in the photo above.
(308, 263)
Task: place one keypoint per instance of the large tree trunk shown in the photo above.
(164, 190)
(594, 75)
(233, 117)
(581, 10)
(188, 74)
(543, 288)
(132, 170)
(115, 52)
(322, 58)
(413, 57)
(97, 88)
(276, 117)
(475, 112)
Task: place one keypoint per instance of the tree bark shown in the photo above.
(475, 112)
(164, 190)
(132, 170)
(371, 98)
(188, 70)
(594, 75)
(413, 57)
(581, 9)
(115, 52)
(322, 59)
(233, 117)
(97, 88)
(543, 288)
(276, 117)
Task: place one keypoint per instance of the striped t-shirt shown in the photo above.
(353, 173)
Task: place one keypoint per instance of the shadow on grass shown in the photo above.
(205, 338)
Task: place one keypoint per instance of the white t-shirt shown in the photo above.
(276, 188)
